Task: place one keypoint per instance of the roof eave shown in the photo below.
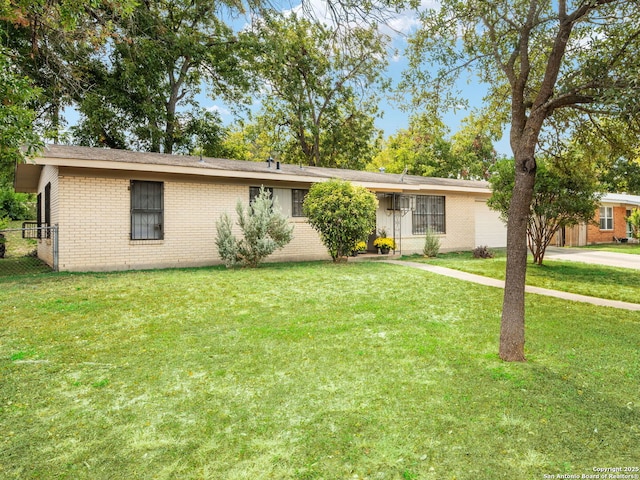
(27, 177)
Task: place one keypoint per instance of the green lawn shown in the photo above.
(306, 371)
(593, 280)
(633, 248)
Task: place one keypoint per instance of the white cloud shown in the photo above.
(217, 108)
(396, 24)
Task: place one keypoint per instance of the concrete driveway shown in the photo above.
(625, 260)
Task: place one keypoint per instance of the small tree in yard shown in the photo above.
(562, 198)
(341, 213)
(264, 230)
(634, 221)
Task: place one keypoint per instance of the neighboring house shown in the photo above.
(118, 210)
(609, 224)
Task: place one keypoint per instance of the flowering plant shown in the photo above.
(384, 242)
(360, 247)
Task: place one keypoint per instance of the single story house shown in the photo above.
(608, 226)
(118, 210)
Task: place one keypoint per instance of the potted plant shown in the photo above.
(361, 247)
(383, 242)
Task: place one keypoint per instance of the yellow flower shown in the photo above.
(385, 242)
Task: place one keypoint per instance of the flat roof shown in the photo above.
(104, 158)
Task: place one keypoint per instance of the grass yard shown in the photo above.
(306, 371)
(633, 248)
(585, 279)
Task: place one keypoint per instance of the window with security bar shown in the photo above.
(47, 209)
(147, 210)
(297, 200)
(255, 191)
(429, 214)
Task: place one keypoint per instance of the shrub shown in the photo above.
(482, 252)
(264, 230)
(431, 245)
(341, 213)
(16, 206)
(634, 221)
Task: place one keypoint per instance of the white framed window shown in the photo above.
(606, 218)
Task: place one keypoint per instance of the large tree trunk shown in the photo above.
(512, 326)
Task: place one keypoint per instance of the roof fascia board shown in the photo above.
(415, 189)
(174, 169)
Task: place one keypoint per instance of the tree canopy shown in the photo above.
(564, 195)
(426, 149)
(144, 95)
(319, 89)
(538, 58)
(16, 117)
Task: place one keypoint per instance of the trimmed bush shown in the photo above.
(341, 213)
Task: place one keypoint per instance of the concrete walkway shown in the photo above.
(492, 282)
(597, 257)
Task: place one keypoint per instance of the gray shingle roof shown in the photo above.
(220, 164)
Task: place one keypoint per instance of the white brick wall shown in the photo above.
(95, 226)
(94, 218)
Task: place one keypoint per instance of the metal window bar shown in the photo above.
(39, 213)
(147, 210)
(297, 199)
(47, 209)
(31, 230)
(255, 191)
(429, 214)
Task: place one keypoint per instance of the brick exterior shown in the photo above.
(93, 213)
(585, 234)
(596, 235)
